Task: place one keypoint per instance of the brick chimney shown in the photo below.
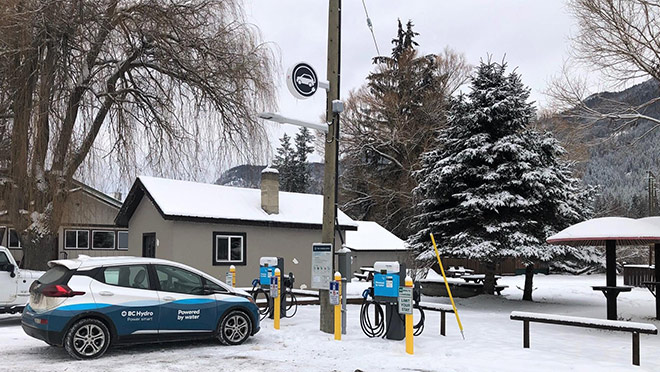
(270, 190)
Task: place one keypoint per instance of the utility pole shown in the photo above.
(331, 154)
(652, 202)
(652, 193)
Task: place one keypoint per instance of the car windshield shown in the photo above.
(55, 274)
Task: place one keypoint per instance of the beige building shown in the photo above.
(211, 227)
(87, 226)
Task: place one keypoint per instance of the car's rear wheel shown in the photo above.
(87, 339)
(234, 328)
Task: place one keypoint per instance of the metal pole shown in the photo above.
(657, 279)
(331, 153)
(610, 262)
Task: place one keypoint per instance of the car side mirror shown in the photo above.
(10, 268)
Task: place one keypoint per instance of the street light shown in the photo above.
(272, 116)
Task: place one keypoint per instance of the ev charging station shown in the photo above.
(389, 277)
(267, 266)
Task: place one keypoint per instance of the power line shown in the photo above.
(371, 27)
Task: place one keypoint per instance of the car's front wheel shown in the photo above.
(234, 328)
(87, 339)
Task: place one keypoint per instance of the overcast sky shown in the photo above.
(534, 36)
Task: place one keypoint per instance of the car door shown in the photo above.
(125, 294)
(7, 283)
(185, 305)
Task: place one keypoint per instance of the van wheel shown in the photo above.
(234, 328)
(87, 339)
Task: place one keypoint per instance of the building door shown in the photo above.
(149, 245)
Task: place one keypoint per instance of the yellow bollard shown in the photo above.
(338, 309)
(276, 300)
(232, 270)
(409, 324)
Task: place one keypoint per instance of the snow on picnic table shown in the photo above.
(493, 341)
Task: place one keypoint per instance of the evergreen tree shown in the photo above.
(386, 126)
(493, 188)
(292, 162)
(284, 162)
(301, 171)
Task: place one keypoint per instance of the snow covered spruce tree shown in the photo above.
(493, 188)
(292, 162)
(302, 176)
(284, 162)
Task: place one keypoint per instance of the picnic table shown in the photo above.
(458, 271)
(366, 273)
(478, 278)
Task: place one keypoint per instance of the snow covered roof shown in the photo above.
(371, 236)
(206, 202)
(625, 231)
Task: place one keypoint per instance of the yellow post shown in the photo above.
(338, 308)
(409, 324)
(451, 298)
(232, 270)
(276, 301)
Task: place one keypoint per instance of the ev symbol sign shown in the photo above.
(273, 286)
(334, 293)
(302, 81)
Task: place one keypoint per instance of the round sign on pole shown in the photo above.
(302, 81)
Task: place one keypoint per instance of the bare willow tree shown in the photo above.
(619, 39)
(139, 80)
(388, 123)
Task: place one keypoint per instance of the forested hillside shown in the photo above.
(619, 154)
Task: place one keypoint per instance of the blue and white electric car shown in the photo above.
(88, 304)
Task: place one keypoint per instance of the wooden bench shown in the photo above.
(610, 325)
(362, 277)
(442, 308)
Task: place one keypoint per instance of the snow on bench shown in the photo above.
(614, 325)
(436, 307)
(574, 321)
(442, 308)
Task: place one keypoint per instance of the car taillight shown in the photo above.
(59, 290)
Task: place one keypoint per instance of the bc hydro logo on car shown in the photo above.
(89, 304)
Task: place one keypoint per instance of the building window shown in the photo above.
(76, 239)
(14, 239)
(103, 239)
(122, 240)
(229, 248)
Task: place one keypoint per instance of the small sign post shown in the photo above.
(229, 278)
(335, 294)
(275, 293)
(405, 307)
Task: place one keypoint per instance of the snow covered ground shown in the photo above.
(493, 342)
